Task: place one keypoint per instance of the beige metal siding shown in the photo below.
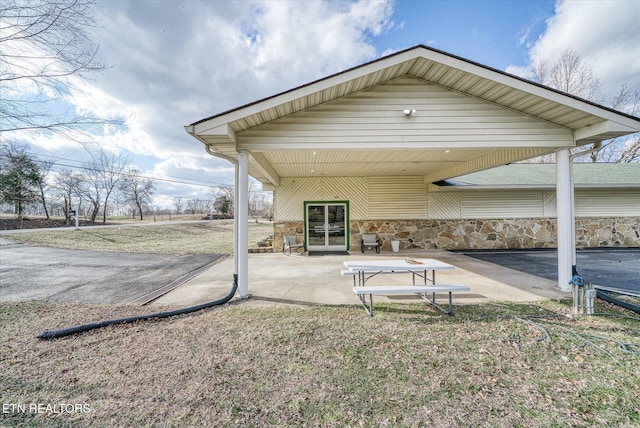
(550, 203)
(397, 198)
(498, 204)
(352, 189)
(379, 198)
(290, 196)
(607, 202)
(374, 117)
(444, 205)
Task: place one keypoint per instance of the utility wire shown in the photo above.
(177, 180)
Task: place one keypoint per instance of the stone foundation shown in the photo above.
(591, 232)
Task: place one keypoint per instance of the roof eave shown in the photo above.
(631, 123)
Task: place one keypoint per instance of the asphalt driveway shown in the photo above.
(608, 267)
(58, 275)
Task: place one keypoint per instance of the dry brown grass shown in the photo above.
(208, 237)
(329, 366)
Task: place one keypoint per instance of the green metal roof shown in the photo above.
(544, 175)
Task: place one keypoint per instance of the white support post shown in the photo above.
(574, 259)
(242, 222)
(236, 184)
(565, 219)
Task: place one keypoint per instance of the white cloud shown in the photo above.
(190, 60)
(200, 170)
(175, 62)
(518, 71)
(606, 34)
(190, 177)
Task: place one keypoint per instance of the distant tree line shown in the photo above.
(104, 185)
(220, 204)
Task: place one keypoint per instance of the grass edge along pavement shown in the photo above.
(489, 365)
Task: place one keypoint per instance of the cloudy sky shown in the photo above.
(175, 62)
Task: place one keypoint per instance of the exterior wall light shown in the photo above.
(409, 112)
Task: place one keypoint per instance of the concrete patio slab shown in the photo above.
(301, 280)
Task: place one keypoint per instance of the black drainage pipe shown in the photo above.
(53, 334)
(609, 298)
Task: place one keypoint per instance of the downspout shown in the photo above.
(596, 148)
(212, 152)
(240, 213)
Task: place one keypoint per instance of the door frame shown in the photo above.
(347, 227)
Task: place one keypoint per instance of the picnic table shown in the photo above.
(367, 269)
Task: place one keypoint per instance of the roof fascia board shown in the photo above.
(223, 130)
(603, 128)
(472, 187)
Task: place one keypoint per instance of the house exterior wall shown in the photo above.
(401, 208)
(373, 117)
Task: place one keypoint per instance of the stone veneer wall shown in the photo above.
(289, 228)
(482, 234)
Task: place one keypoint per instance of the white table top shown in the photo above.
(400, 265)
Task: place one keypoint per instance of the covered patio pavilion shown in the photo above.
(421, 115)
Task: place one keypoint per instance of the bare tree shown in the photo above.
(106, 170)
(68, 184)
(571, 75)
(195, 206)
(568, 74)
(623, 149)
(627, 149)
(207, 206)
(91, 189)
(137, 189)
(45, 169)
(45, 43)
(178, 204)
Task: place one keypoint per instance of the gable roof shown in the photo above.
(584, 121)
(531, 175)
(435, 66)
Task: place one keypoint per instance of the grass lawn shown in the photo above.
(329, 366)
(209, 237)
(490, 365)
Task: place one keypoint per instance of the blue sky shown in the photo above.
(175, 62)
(495, 33)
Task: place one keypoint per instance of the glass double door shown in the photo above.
(326, 226)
